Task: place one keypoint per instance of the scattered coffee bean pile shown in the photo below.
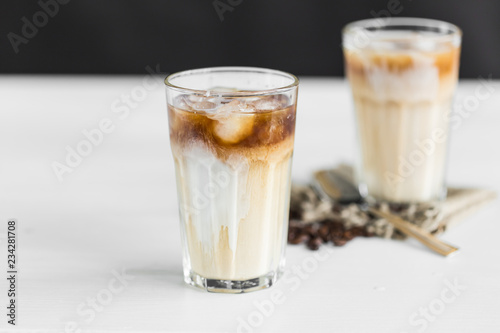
(317, 233)
(315, 222)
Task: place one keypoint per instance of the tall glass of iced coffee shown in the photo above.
(402, 73)
(232, 132)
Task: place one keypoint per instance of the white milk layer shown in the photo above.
(234, 212)
(403, 149)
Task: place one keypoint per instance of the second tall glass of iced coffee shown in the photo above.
(403, 73)
(232, 133)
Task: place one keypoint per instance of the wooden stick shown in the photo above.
(416, 232)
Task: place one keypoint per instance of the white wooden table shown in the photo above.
(100, 251)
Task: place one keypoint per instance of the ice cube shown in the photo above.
(234, 127)
(267, 105)
(246, 106)
(272, 131)
(226, 109)
(204, 106)
(220, 100)
(201, 103)
(197, 98)
(182, 102)
(235, 106)
(271, 103)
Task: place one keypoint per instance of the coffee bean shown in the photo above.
(300, 238)
(314, 243)
(324, 232)
(292, 234)
(336, 230)
(348, 235)
(357, 231)
(310, 230)
(339, 242)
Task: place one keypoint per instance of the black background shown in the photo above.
(299, 36)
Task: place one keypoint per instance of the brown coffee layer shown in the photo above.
(360, 62)
(240, 132)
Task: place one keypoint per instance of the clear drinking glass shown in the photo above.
(402, 73)
(232, 133)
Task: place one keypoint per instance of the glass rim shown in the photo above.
(445, 31)
(233, 69)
